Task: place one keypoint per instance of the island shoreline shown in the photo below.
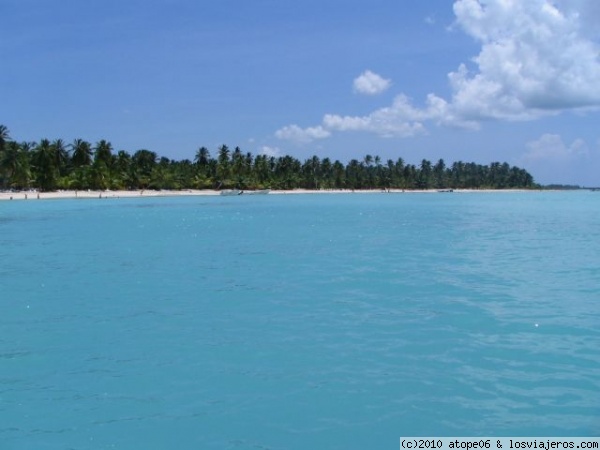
(108, 194)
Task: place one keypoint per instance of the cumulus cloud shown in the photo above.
(552, 147)
(552, 160)
(370, 83)
(587, 12)
(401, 119)
(302, 135)
(270, 151)
(536, 58)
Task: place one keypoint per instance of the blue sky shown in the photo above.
(470, 80)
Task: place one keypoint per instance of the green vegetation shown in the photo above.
(50, 165)
(562, 187)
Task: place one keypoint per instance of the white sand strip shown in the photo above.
(33, 195)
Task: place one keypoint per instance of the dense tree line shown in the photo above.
(49, 165)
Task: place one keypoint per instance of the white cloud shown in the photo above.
(587, 12)
(370, 83)
(551, 160)
(534, 60)
(270, 151)
(537, 58)
(401, 119)
(552, 147)
(302, 135)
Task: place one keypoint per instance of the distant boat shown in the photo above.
(231, 192)
(445, 190)
(240, 192)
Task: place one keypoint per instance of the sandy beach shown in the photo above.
(87, 194)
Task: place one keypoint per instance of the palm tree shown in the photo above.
(4, 136)
(326, 173)
(439, 174)
(103, 153)
(409, 175)
(61, 155)
(238, 164)
(144, 161)
(44, 160)
(339, 175)
(424, 176)
(100, 172)
(202, 157)
(120, 170)
(82, 153)
(223, 165)
(14, 163)
(379, 177)
(367, 165)
(354, 174)
(262, 171)
(312, 172)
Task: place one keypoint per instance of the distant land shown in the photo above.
(57, 165)
(569, 187)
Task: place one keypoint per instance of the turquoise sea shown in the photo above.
(298, 321)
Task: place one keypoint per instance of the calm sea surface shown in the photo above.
(298, 321)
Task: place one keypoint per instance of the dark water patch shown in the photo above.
(14, 354)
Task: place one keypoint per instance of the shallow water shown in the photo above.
(294, 322)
